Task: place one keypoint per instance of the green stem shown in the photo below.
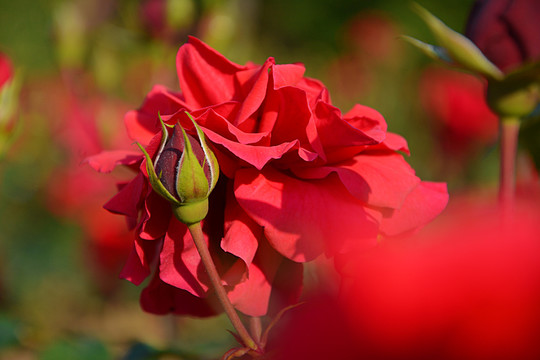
(509, 141)
(198, 239)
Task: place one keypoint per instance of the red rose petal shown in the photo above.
(301, 219)
(337, 133)
(421, 206)
(258, 156)
(206, 77)
(137, 267)
(241, 232)
(157, 215)
(180, 262)
(143, 124)
(106, 161)
(126, 201)
(377, 180)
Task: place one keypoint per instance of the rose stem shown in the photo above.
(198, 239)
(509, 141)
(256, 327)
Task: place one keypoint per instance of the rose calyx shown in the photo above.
(184, 171)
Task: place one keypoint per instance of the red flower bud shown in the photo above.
(184, 172)
(507, 31)
(169, 161)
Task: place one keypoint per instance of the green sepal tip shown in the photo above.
(209, 154)
(459, 48)
(191, 181)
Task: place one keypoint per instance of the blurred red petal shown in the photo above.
(180, 263)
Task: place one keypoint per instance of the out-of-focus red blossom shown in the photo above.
(456, 101)
(299, 179)
(152, 13)
(77, 192)
(468, 289)
(506, 31)
(374, 35)
(370, 40)
(160, 23)
(6, 70)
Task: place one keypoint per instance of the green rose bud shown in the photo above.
(184, 172)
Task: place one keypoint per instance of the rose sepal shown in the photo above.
(432, 51)
(209, 155)
(462, 51)
(191, 181)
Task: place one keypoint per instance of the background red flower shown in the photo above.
(455, 103)
(467, 289)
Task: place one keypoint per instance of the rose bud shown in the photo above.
(184, 172)
(507, 32)
(503, 36)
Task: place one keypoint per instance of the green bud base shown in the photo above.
(191, 213)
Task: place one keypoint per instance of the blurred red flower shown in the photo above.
(469, 290)
(507, 31)
(168, 20)
(456, 101)
(77, 192)
(6, 70)
(371, 52)
(300, 179)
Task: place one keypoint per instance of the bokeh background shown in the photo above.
(80, 65)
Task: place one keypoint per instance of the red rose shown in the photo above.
(506, 31)
(299, 179)
(468, 291)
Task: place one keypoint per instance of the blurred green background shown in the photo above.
(59, 298)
